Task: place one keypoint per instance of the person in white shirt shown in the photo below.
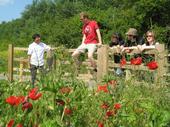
(36, 56)
(150, 41)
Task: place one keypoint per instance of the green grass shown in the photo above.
(3, 61)
(142, 104)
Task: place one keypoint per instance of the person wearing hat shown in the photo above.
(36, 56)
(116, 40)
(132, 40)
(132, 36)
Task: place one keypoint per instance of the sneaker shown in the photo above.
(119, 71)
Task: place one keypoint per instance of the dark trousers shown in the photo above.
(33, 70)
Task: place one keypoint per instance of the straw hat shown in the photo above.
(132, 31)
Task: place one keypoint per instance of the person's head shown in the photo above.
(150, 37)
(84, 17)
(36, 37)
(115, 37)
(132, 34)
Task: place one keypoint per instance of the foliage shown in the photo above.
(58, 20)
(67, 102)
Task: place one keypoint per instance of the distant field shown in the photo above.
(3, 61)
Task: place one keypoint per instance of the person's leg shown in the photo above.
(76, 53)
(42, 72)
(91, 49)
(33, 70)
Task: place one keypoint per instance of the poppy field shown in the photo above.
(72, 104)
(60, 100)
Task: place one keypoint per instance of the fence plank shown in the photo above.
(160, 58)
(102, 62)
(10, 62)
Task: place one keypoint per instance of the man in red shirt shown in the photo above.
(91, 39)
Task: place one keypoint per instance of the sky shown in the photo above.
(12, 9)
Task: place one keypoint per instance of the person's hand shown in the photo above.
(140, 48)
(99, 45)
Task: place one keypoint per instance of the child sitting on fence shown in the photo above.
(117, 41)
(36, 56)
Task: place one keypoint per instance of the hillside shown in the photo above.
(58, 20)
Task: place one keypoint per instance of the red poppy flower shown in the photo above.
(117, 106)
(110, 113)
(136, 61)
(14, 100)
(100, 124)
(67, 111)
(34, 95)
(112, 82)
(11, 123)
(102, 88)
(65, 90)
(27, 105)
(104, 106)
(152, 65)
(19, 125)
(60, 102)
(122, 62)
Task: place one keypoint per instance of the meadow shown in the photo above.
(64, 101)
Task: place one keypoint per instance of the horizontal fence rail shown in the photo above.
(104, 64)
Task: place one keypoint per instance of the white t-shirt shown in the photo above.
(150, 46)
(37, 53)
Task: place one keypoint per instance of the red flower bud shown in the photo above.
(117, 106)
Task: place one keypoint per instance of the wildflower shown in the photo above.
(11, 123)
(104, 106)
(117, 106)
(14, 100)
(60, 102)
(122, 62)
(102, 88)
(19, 125)
(110, 113)
(100, 124)
(112, 82)
(27, 105)
(65, 90)
(67, 111)
(136, 61)
(33, 94)
(152, 65)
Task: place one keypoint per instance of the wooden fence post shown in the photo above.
(21, 71)
(10, 62)
(160, 59)
(102, 62)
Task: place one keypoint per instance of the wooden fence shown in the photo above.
(104, 64)
(161, 57)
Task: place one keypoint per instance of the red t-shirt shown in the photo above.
(89, 30)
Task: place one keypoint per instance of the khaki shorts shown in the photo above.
(90, 47)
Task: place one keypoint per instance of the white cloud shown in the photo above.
(5, 2)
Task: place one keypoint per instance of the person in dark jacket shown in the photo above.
(117, 41)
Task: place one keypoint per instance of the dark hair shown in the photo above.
(118, 36)
(35, 36)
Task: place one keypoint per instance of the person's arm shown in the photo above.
(99, 37)
(47, 47)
